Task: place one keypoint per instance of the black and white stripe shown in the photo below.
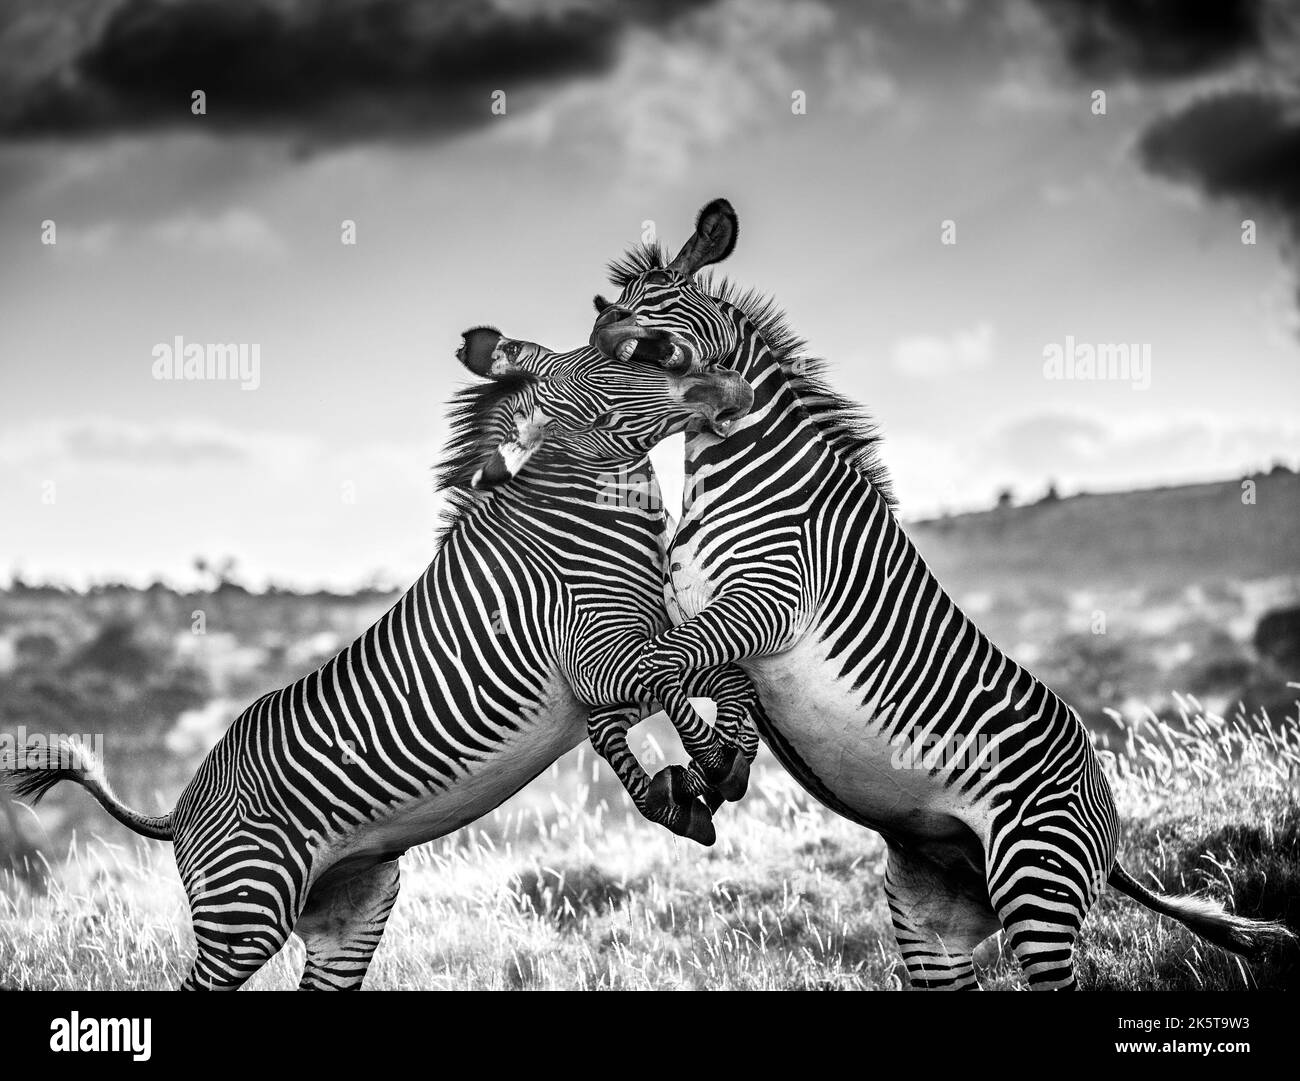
(790, 562)
(520, 639)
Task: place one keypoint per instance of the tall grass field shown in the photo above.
(576, 891)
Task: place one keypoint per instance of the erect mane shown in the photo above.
(844, 424)
(474, 415)
(635, 262)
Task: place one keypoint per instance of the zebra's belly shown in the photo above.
(556, 725)
(834, 745)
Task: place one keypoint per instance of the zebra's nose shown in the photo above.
(725, 398)
(615, 313)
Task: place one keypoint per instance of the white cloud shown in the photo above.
(1079, 451)
(1023, 87)
(856, 79)
(1168, 444)
(104, 442)
(96, 497)
(1278, 311)
(928, 356)
(234, 231)
(717, 73)
(94, 240)
(1067, 192)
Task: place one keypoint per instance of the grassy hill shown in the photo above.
(1120, 600)
(1156, 538)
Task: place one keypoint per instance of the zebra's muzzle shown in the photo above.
(722, 397)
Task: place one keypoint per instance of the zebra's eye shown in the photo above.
(602, 420)
(658, 277)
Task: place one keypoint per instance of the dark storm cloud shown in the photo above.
(1242, 145)
(1156, 38)
(333, 68)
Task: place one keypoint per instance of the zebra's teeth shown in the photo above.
(676, 357)
(626, 350)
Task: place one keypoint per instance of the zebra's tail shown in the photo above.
(39, 770)
(1207, 918)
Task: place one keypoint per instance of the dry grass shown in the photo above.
(790, 897)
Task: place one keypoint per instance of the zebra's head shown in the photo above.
(662, 314)
(576, 407)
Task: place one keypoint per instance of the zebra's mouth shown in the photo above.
(652, 350)
(650, 347)
(625, 339)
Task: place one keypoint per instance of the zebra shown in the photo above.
(518, 640)
(876, 691)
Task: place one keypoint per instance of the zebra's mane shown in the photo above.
(475, 416)
(844, 424)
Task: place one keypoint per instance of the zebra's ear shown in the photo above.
(714, 239)
(486, 351)
(511, 456)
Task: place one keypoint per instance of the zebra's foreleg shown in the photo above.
(737, 700)
(341, 926)
(730, 628)
(669, 798)
(720, 770)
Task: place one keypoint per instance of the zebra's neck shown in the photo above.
(613, 495)
(776, 447)
(888, 624)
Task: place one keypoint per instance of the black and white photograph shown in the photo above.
(709, 495)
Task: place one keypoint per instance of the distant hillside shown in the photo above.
(1159, 538)
(1118, 602)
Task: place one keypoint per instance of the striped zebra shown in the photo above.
(520, 639)
(877, 692)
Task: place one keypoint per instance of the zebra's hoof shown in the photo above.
(670, 802)
(730, 778)
(699, 824)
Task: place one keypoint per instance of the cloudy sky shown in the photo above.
(1122, 227)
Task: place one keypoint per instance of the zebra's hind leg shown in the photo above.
(669, 798)
(240, 923)
(940, 911)
(1043, 880)
(341, 925)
